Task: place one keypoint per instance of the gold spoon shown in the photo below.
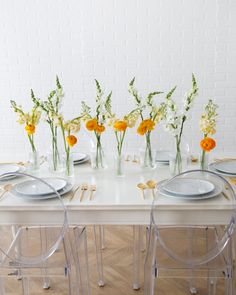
(84, 187)
(6, 188)
(142, 187)
(152, 185)
(92, 190)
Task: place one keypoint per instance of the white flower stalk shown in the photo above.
(207, 121)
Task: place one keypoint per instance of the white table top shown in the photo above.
(116, 201)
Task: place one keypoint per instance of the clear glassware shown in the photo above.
(34, 162)
(119, 161)
(147, 158)
(55, 162)
(204, 160)
(97, 155)
(179, 157)
(68, 165)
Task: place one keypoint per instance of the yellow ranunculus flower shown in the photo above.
(30, 129)
(120, 125)
(71, 140)
(91, 125)
(145, 126)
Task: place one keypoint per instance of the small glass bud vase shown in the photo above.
(119, 165)
(68, 165)
(204, 160)
(55, 162)
(97, 155)
(34, 162)
(179, 157)
(147, 158)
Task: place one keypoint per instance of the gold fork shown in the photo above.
(74, 192)
(92, 190)
(84, 187)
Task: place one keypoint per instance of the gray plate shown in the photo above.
(212, 167)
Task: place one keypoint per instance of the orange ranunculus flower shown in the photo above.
(91, 125)
(208, 144)
(145, 126)
(120, 125)
(30, 129)
(100, 128)
(71, 140)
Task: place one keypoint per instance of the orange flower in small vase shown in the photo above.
(120, 126)
(91, 125)
(100, 129)
(207, 144)
(30, 129)
(71, 140)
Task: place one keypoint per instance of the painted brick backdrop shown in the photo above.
(161, 42)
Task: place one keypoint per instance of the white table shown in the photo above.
(117, 201)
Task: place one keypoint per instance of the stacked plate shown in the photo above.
(224, 168)
(163, 157)
(10, 168)
(37, 190)
(80, 158)
(189, 189)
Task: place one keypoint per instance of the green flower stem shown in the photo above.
(202, 160)
(31, 140)
(99, 151)
(148, 158)
(67, 150)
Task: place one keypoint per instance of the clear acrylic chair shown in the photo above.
(44, 251)
(199, 252)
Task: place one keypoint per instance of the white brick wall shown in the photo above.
(161, 42)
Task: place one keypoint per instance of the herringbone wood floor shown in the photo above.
(117, 270)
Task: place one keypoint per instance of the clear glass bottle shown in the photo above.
(34, 162)
(119, 161)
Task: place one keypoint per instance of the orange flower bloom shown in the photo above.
(120, 125)
(145, 126)
(91, 125)
(100, 128)
(30, 129)
(208, 144)
(71, 140)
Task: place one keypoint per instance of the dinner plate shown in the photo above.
(8, 168)
(212, 167)
(226, 167)
(189, 186)
(62, 192)
(36, 187)
(79, 156)
(216, 192)
(163, 156)
(11, 176)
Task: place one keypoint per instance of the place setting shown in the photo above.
(190, 189)
(11, 169)
(36, 190)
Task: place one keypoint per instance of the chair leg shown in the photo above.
(2, 289)
(98, 246)
(80, 251)
(25, 286)
(44, 236)
(150, 267)
(103, 241)
(136, 256)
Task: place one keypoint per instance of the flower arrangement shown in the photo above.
(96, 123)
(69, 140)
(174, 121)
(207, 125)
(150, 115)
(30, 120)
(51, 108)
(120, 126)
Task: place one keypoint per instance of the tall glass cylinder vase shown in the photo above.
(34, 162)
(97, 154)
(179, 156)
(119, 165)
(204, 160)
(147, 154)
(68, 165)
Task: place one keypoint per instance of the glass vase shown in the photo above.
(98, 160)
(147, 154)
(179, 157)
(204, 160)
(34, 162)
(119, 165)
(68, 165)
(55, 162)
